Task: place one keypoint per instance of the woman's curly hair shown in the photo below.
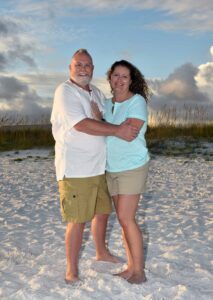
(138, 84)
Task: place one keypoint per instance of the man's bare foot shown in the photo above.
(70, 278)
(137, 278)
(126, 274)
(108, 257)
(71, 281)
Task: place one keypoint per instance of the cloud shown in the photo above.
(32, 94)
(181, 90)
(15, 46)
(181, 85)
(3, 29)
(18, 98)
(44, 84)
(204, 77)
(7, 26)
(3, 62)
(193, 15)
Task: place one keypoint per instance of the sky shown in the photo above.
(170, 41)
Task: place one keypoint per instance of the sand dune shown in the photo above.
(176, 217)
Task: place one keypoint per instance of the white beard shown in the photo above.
(82, 80)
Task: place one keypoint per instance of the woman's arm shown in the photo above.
(138, 123)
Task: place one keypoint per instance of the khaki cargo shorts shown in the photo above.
(131, 182)
(82, 198)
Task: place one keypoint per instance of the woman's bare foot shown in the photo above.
(137, 278)
(126, 274)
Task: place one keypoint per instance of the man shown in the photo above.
(80, 160)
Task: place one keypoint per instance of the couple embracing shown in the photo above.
(101, 154)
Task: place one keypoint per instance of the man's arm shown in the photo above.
(123, 131)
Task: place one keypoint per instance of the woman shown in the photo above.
(127, 162)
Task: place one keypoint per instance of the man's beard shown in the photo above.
(82, 80)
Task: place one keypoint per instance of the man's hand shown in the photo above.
(97, 115)
(126, 131)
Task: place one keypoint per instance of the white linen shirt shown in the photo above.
(77, 154)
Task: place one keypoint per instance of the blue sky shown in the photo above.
(171, 42)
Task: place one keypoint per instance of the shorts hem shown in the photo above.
(75, 220)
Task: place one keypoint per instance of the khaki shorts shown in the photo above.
(131, 182)
(82, 198)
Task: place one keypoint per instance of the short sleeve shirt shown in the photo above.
(123, 155)
(77, 154)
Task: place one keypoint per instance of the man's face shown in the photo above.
(81, 69)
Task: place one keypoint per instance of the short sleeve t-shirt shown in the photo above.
(123, 155)
(77, 154)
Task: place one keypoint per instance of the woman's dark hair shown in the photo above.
(138, 84)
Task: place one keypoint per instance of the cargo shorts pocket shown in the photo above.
(69, 205)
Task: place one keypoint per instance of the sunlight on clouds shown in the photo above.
(204, 77)
(204, 80)
(187, 87)
(176, 87)
(4, 106)
(3, 45)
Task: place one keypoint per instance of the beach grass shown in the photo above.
(25, 137)
(164, 131)
(166, 124)
(40, 136)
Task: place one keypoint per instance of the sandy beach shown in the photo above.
(176, 217)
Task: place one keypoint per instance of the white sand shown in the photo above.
(176, 217)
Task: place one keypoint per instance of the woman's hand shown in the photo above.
(96, 113)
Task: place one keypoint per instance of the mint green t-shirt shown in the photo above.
(123, 155)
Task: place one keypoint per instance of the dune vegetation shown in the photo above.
(17, 134)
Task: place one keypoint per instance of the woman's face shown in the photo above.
(120, 79)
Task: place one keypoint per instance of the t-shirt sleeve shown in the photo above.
(69, 106)
(138, 109)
